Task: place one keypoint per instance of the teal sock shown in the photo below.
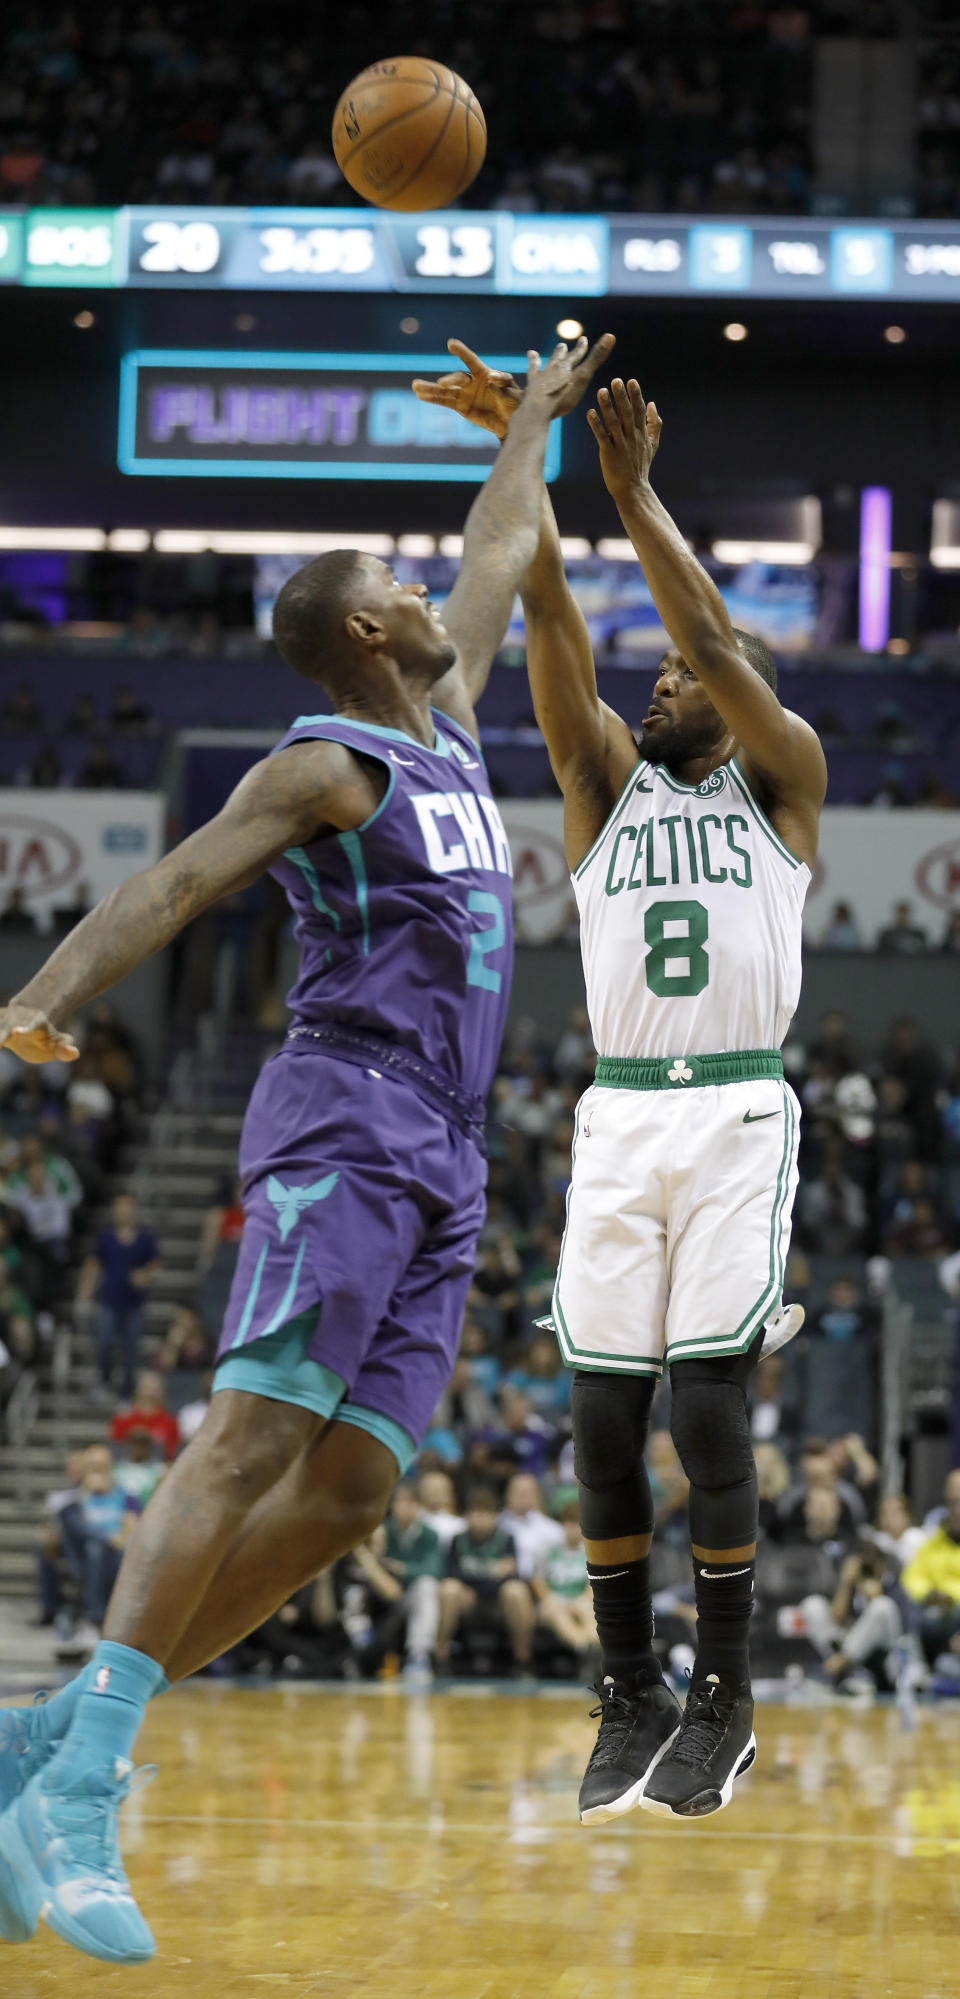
(116, 1687)
(53, 1718)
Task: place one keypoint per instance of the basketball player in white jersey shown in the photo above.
(690, 858)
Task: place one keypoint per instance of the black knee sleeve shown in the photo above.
(709, 1422)
(610, 1417)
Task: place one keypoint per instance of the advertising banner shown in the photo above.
(56, 844)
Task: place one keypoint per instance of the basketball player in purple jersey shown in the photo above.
(362, 1151)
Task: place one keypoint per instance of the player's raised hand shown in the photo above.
(29, 1034)
(485, 396)
(560, 382)
(628, 432)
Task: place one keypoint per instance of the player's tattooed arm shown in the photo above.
(591, 749)
(281, 802)
(503, 525)
(780, 748)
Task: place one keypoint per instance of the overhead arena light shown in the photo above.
(260, 541)
(82, 540)
(128, 541)
(573, 548)
(945, 535)
(617, 550)
(788, 553)
(416, 546)
(451, 544)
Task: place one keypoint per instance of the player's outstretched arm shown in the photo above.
(591, 750)
(503, 525)
(280, 803)
(781, 748)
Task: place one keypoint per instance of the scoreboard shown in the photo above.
(366, 249)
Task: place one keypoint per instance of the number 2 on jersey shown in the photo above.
(484, 942)
(677, 964)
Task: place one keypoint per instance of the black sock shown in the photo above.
(624, 1614)
(724, 1607)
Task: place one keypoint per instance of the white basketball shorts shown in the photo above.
(678, 1222)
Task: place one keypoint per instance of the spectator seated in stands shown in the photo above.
(902, 936)
(438, 1505)
(531, 1530)
(46, 1211)
(118, 1273)
(561, 1589)
(832, 1209)
(923, 1232)
(542, 1377)
(528, 1437)
(860, 1627)
(128, 714)
(139, 1468)
(842, 932)
(304, 1637)
(50, 1552)
(475, 1350)
(185, 1348)
(821, 1523)
(403, 1562)
(464, 1406)
(845, 1315)
(895, 1534)
(818, 1473)
(481, 1588)
(931, 1579)
(101, 772)
(856, 1468)
(149, 1413)
(94, 1532)
(16, 915)
(62, 1177)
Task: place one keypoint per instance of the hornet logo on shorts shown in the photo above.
(290, 1202)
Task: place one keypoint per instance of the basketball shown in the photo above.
(409, 134)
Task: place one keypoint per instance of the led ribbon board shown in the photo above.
(298, 416)
(468, 250)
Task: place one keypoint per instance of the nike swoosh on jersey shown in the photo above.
(408, 762)
(641, 786)
(757, 1117)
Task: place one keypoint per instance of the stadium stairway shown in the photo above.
(175, 1159)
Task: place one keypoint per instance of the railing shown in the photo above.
(19, 1423)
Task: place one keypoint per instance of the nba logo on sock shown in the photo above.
(102, 1680)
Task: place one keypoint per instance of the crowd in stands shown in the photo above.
(480, 1566)
(695, 105)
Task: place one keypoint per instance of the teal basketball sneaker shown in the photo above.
(60, 1861)
(24, 1749)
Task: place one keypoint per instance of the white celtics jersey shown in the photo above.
(690, 909)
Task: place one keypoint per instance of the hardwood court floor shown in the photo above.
(381, 1846)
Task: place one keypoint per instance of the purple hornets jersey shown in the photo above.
(405, 926)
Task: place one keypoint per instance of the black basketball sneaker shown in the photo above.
(715, 1745)
(638, 1722)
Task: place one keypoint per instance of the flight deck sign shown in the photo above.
(299, 416)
